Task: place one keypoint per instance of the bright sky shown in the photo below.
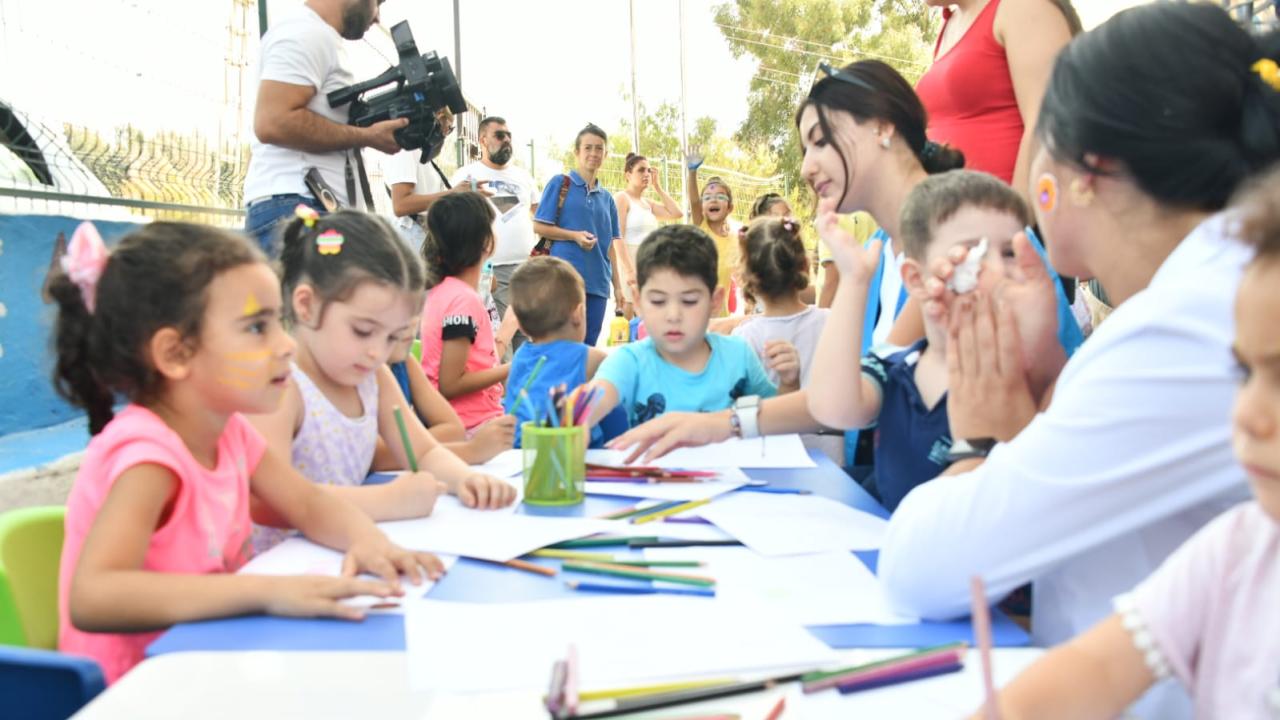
(548, 67)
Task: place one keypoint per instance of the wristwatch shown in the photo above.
(965, 449)
(744, 417)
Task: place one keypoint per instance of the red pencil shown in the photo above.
(776, 712)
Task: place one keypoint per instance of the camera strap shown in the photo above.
(443, 179)
(364, 180)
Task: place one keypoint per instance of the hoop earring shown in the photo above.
(1081, 195)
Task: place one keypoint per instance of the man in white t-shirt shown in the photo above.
(513, 192)
(415, 186)
(303, 59)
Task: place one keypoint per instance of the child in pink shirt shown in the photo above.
(458, 353)
(1210, 615)
(184, 321)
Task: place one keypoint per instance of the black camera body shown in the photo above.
(425, 84)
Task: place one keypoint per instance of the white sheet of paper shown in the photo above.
(832, 588)
(729, 479)
(465, 647)
(794, 524)
(506, 464)
(300, 556)
(486, 534)
(775, 451)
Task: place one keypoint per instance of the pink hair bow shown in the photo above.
(85, 260)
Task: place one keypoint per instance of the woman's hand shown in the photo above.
(485, 492)
(988, 394)
(673, 430)
(854, 260)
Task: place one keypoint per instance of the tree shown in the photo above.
(790, 37)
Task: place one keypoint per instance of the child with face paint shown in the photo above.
(184, 322)
(711, 208)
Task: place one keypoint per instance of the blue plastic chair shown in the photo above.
(45, 685)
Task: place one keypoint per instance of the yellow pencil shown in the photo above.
(614, 693)
(670, 511)
(573, 555)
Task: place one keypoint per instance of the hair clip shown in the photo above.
(742, 232)
(1269, 71)
(789, 224)
(329, 242)
(306, 214)
(84, 262)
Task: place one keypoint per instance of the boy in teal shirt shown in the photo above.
(678, 367)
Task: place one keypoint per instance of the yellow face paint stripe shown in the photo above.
(232, 382)
(250, 355)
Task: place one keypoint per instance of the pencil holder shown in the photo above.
(554, 464)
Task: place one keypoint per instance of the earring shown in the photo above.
(1081, 194)
(884, 142)
(1047, 193)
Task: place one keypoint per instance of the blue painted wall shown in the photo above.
(27, 398)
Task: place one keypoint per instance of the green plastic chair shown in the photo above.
(30, 552)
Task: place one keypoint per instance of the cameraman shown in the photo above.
(302, 60)
(415, 186)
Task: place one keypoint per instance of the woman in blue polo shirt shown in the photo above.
(585, 225)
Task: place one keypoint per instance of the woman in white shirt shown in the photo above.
(637, 216)
(1150, 124)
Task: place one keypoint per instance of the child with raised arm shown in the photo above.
(680, 366)
(183, 321)
(353, 289)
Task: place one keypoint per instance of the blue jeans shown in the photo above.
(263, 219)
(595, 317)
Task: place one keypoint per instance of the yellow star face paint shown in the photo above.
(251, 306)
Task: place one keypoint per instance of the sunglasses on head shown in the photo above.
(842, 76)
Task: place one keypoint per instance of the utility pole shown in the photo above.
(457, 72)
(635, 100)
(684, 121)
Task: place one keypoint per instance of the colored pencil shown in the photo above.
(816, 681)
(635, 573)
(657, 563)
(636, 589)
(593, 477)
(404, 440)
(573, 555)
(899, 678)
(626, 706)
(774, 490)
(691, 520)
(623, 513)
(656, 543)
(982, 636)
(525, 566)
(599, 542)
(615, 693)
(555, 691)
(648, 471)
(777, 710)
(656, 507)
(669, 511)
(533, 375)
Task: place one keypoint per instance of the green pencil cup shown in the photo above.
(555, 470)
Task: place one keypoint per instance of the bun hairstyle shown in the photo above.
(772, 260)
(872, 90)
(459, 234)
(336, 253)
(631, 162)
(1169, 92)
(763, 204)
(157, 277)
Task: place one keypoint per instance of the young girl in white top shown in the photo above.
(352, 289)
(638, 217)
(1208, 616)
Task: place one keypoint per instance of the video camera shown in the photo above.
(424, 85)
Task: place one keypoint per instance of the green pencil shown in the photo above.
(599, 542)
(527, 383)
(654, 563)
(618, 571)
(404, 438)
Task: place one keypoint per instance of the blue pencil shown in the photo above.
(774, 490)
(637, 589)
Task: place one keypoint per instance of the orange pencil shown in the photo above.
(528, 567)
(776, 712)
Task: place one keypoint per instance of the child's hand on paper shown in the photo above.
(782, 358)
(321, 596)
(485, 492)
(495, 436)
(373, 553)
(417, 492)
(855, 261)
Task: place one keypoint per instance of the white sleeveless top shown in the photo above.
(640, 222)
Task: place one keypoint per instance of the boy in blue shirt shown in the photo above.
(548, 300)
(679, 367)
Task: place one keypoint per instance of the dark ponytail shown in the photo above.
(459, 235)
(773, 261)
(632, 160)
(157, 277)
(1168, 92)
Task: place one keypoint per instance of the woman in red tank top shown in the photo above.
(990, 67)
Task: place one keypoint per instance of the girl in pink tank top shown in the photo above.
(183, 321)
(353, 289)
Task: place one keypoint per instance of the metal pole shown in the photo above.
(684, 126)
(635, 100)
(262, 18)
(457, 73)
(532, 155)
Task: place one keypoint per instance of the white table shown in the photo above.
(221, 685)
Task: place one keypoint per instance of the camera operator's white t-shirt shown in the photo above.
(301, 49)
(514, 192)
(405, 167)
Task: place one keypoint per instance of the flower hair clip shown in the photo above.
(789, 224)
(1269, 71)
(329, 242)
(84, 262)
(307, 215)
